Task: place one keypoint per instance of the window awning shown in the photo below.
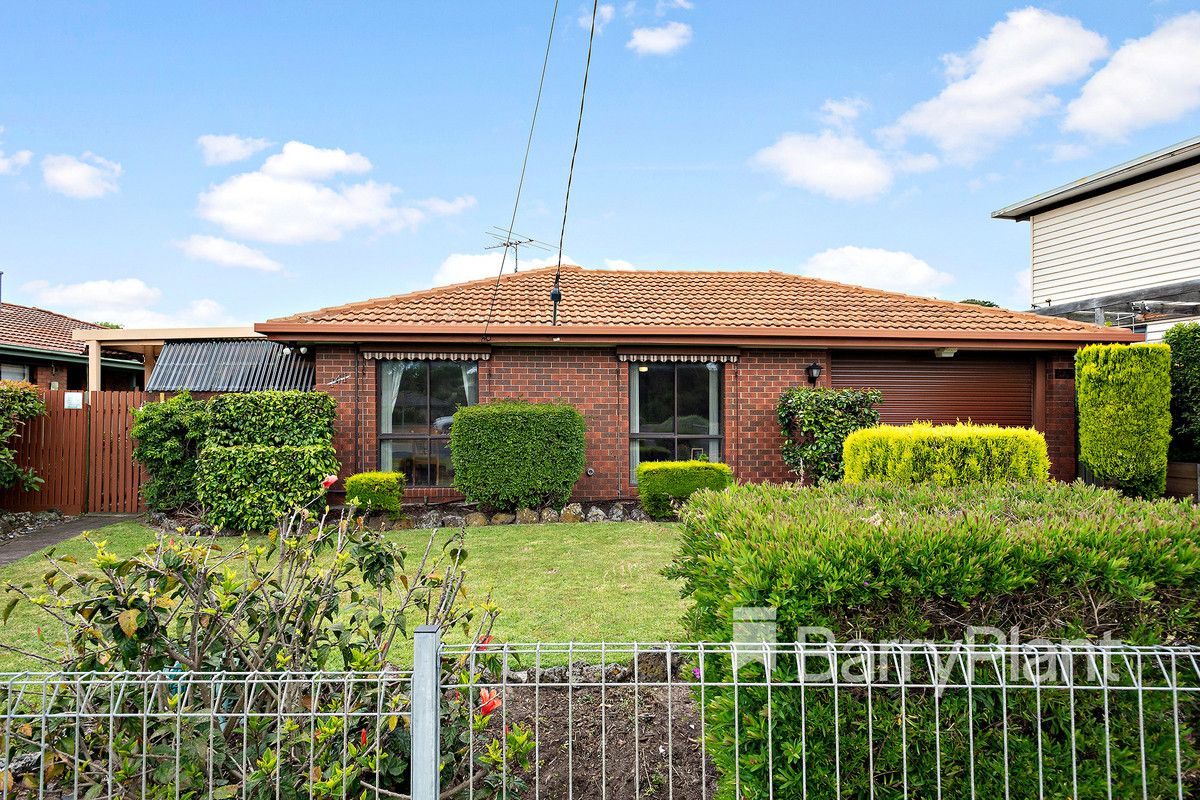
(405, 355)
(693, 358)
(236, 365)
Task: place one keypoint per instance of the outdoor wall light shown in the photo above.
(813, 371)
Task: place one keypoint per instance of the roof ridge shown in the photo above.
(91, 325)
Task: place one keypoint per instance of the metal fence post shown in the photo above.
(426, 713)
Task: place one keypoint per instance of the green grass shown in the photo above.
(593, 582)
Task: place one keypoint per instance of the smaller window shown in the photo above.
(14, 372)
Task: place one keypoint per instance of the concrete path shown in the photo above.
(70, 527)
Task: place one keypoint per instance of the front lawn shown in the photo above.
(583, 582)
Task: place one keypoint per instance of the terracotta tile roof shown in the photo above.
(26, 326)
(692, 303)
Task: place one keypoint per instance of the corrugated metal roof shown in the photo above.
(237, 365)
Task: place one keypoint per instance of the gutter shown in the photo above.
(59, 355)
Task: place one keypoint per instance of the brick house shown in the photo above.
(36, 345)
(672, 364)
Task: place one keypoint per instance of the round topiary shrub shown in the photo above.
(665, 485)
(512, 455)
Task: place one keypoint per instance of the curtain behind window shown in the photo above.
(390, 375)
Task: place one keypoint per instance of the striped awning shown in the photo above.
(231, 365)
(405, 355)
(693, 358)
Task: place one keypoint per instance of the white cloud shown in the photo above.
(663, 6)
(1148, 81)
(618, 264)
(892, 270)
(85, 177)
(11, 165)
(1069, 151)
(842, 113)
(460, 267)
(1023, 290)
(300, 160)
(229, 148)
(125, 301)
(1002, 84)
(226, 253)
(604, 15)
(660, 41)
(285, 202)
(837, 165)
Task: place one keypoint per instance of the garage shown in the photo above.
(984, 388)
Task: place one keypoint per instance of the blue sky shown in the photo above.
(226, 163)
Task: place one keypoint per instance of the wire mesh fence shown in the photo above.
(192, 734)
(824, 720)
(609, 720)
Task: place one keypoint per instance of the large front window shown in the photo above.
(674, 412)
(417, 400)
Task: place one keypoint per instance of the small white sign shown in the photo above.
(73, 400)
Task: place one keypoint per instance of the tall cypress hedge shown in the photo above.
(1124, 402)
(1184, 341)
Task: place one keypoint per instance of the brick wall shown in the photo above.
(597, 383)
(1059, 425)
(755, 383)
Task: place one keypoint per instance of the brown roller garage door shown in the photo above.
(982, 388)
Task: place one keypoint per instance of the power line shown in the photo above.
(537, 103)
(556, 291)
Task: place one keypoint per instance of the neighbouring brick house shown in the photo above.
(36, 346)
(672, 364)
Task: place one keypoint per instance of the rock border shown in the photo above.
(460, 516)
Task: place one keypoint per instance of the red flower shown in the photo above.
(488, 702)
(364, 737)
(330, 480)
(484, 642)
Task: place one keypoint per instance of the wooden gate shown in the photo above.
(82, 449)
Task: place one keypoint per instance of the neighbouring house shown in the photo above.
(1121, 247)
(36, 345)
(668, 364)
(204, 360)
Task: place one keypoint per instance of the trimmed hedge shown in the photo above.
(946, 455)
(885, 562)
(248, 488)
(1124, 401)
(512, 455)
(815, 424)
(290, 419)
(376, 491)
(168, 437)
(664, 484)
(1184, 341)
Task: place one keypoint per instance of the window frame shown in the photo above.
(674, 435)
(430, 439)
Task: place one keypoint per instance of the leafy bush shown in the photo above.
(946, 455)
(290, 419)
(1124, 399)
(1184, 341)
(663, 485)
(318, 595)
(815, 424)
(168, 437)
(250, 487)
(19, 402)
(376, 491)
(511, 455)
(885, 562)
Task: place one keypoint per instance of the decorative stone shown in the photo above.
(638, 514)
(430, 519)
(573, 512)
(526, 516)
(596, 514)
(453, 521)
(549, 515)
(476, 519)
(502, 518)
(616, 513)
(404, 523)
